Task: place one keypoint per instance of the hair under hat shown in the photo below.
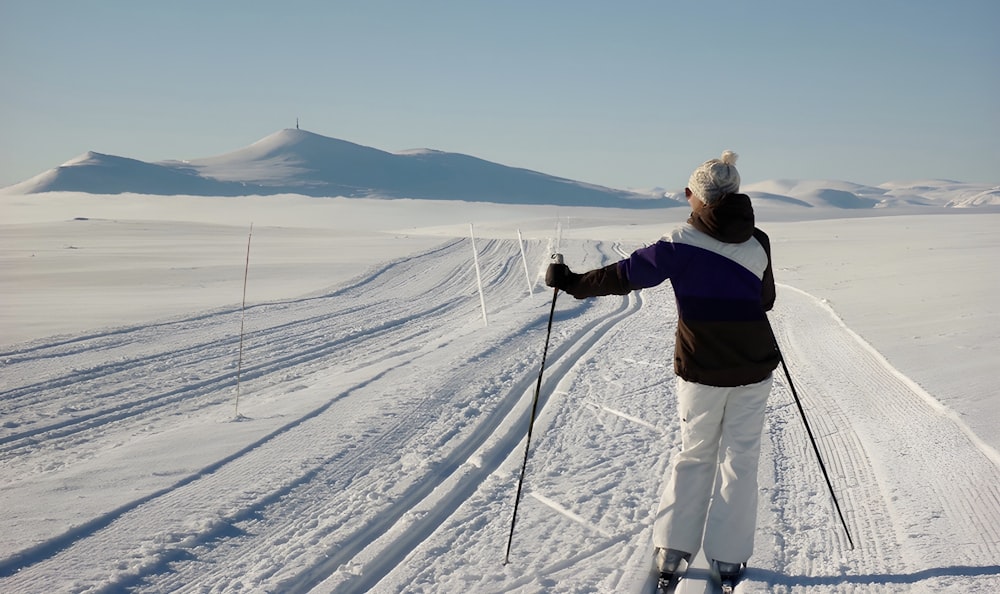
(715, 178)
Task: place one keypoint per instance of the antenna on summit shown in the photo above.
(296, 123)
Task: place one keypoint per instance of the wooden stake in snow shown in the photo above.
(524, 260)
(479, 276)
(243, 311)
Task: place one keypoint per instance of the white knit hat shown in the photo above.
(715, 178)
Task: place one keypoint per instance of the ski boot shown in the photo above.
(727, 574)
(672, 564)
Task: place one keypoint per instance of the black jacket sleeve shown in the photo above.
(598, 282)
(767, 292)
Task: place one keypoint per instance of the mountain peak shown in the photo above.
(86, 158)
(288, 136)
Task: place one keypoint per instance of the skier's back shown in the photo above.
(719, 265)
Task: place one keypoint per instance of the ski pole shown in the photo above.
(812, 439)
(557, 259)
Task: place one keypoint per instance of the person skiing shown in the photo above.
(719, 265)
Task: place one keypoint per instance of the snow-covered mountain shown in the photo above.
(97, 173)
(293, 161)
(847, 195)
(300, 162)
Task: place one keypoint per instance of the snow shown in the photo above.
(381, 425)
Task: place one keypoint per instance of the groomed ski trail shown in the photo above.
(362, 332)
(384, 433)
(913, 484)
(142, 537)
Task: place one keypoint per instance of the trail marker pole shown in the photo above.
(524, 260)
(243, 311)
(479, 276)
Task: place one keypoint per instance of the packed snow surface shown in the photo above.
(380, 425)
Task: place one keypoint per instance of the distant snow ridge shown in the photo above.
(295, 161)
(97, 173)
(848, 195)
(301, 162)
(990, 197)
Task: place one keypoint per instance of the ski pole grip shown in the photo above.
(557, 259)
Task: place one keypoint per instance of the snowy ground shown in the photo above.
(382, 424)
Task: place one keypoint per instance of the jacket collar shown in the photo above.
(729, 219)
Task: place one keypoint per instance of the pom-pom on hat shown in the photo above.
(715, 178)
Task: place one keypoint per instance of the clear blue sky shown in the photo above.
(623, 94)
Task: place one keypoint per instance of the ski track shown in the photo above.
(394, 322)
(911, 483)
(412, 453)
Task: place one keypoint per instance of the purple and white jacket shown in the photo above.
(719, 265)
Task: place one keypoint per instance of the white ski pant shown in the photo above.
(711, 495)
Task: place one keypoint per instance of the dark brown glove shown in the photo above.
(559, 276)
